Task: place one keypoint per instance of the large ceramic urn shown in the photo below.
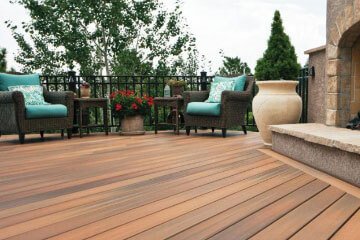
(276, 103)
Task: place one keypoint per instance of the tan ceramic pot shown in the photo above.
(276, 103)
(132, 125)
(85, 92)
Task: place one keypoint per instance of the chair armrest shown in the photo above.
(12, 110)
(235, 96)
(195, 96)
(15, 97)
(64, 98)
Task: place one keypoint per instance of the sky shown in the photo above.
(238, 27)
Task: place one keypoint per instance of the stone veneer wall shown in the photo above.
(317, 86)
(343, 29)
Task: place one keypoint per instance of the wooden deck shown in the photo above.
(164, 186)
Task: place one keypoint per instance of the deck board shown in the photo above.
(163, 186)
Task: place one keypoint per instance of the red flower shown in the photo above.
(134, 106)
(150, 101)
(112, 95)
(118, 107)
(138, 100)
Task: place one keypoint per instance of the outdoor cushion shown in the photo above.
(217, 88)
(46, 111)
(7, 80)
(33, 95)
(239, 81)
(203, 109)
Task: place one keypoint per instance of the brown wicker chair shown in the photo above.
(233, 109)
(13, 119)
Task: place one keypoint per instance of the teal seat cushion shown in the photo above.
(239, 81)
(45, 111)
(8, 80)
(203, 109)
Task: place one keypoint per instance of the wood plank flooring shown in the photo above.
(164, 187)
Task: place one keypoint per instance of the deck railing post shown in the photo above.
(203, 80)
(72, 81)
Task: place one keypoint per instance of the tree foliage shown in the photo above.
(233, 66)
(111, 36)
(3, 60)
(279, 60)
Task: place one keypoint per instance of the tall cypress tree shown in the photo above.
(279, 60)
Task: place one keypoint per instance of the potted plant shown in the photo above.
(277, 101)
(177, 87)
(85, 90)
(130, 109)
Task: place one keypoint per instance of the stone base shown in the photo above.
(327, 149)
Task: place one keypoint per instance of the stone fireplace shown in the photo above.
(343, 61)
(335, 90)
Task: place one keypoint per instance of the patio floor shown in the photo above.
(164, 186)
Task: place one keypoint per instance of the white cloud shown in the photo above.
(239, 27)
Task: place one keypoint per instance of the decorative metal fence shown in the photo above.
(102, 86)
(302, 90)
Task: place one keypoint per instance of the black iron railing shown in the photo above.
(102, 86)
(302, 90)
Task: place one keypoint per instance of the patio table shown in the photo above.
(81, 104)
(175, 103)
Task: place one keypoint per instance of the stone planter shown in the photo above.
(276, 103)
(85, 92)
(132, 125)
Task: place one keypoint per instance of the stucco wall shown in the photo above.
(317, 87)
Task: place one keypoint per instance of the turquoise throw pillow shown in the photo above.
(8, 80)
(33, 95)
(217, 88)
(239, 81)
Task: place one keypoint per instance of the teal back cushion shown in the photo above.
(33, 95)
(217, 88)
(8, 80)
(239, 81)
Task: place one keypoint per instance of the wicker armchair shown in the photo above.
(232, 113)
(13, 117)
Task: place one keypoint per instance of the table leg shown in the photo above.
(80, 120)
(105, 114)
(156, 111)
(177, 120)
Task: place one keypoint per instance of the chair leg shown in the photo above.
(195, 129)
(244, 129)
(223, 132)
(62, 133)
(69, 133)
(213, 129)
(42, 135)
(188, 130)
(22, 138)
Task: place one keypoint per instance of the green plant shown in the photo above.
(233, 66)
(279, 60)
(2, 60)
(127, 103)
(176, 83)
(123, 37)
